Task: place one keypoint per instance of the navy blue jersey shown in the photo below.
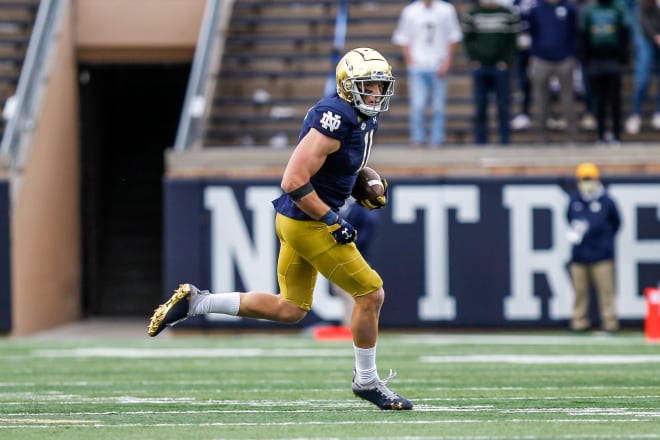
(334, 182)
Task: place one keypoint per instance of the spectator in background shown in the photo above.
(553, 32)
(522, 120)
(489, 31)
(649, 20)
(646, 61)
(428, 32)
(581, 83)
(604, 36)
(593, 220)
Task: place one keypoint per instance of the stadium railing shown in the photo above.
(32, 81)
(206, 62)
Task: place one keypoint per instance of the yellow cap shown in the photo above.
(587, 170)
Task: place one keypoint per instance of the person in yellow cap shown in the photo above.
(593, 220)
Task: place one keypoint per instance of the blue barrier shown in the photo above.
(5, 266)
(452, 252)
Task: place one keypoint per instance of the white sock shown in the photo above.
(225, 303)
(365, 365)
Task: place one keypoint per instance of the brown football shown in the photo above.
(368, 185)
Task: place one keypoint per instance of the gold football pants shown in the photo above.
(307, 248)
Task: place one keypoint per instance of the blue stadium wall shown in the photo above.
(454, 253)
(5, 280)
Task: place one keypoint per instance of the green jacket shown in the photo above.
(489, 34)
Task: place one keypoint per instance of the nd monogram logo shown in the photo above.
(330, 121)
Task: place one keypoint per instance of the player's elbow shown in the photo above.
(287, 186)
(291, 183)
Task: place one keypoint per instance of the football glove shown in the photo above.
(342, 231)
(379, 203)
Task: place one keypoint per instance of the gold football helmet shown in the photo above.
(358, 68)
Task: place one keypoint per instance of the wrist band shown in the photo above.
(301, 192)
(329, 218)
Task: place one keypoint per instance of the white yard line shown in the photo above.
(93, 424)
(532, 339)
(169, 353)
(545, 359)
(314, 407)
(12, 421)
(174, 353)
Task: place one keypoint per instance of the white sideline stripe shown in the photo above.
(504, 339)
(92, 424)
(144, 353)
(322, 406)
(173, 353)
(640, 414)
(545, 359)
(48, 421)
(216, 383)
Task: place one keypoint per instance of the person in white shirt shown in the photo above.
(429, 33)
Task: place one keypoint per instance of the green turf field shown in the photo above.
(465, 386)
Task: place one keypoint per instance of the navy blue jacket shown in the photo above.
(554, 30)
(603, 218)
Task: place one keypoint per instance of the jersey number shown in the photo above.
(368, 142)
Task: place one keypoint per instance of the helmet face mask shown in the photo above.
(364, 79)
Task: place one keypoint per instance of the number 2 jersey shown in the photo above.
(336, 118)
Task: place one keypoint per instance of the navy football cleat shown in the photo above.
(380, 395)
(173, 311)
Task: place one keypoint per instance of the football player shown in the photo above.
(334, 144)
